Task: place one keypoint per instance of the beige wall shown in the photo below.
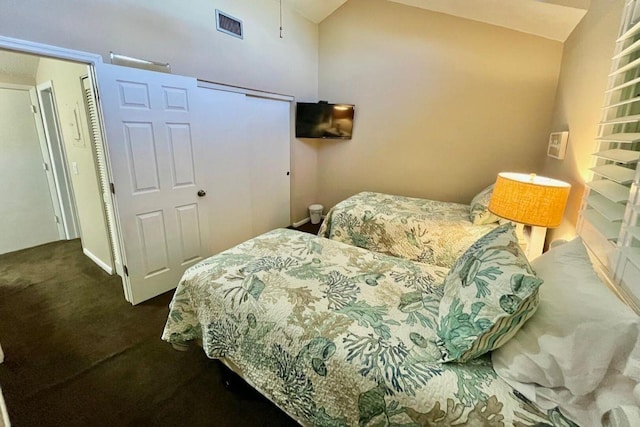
(17, 80)
(583, 79)
(187, 38)
(67, 89)
(442, 103)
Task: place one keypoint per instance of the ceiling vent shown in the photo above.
(228, 24)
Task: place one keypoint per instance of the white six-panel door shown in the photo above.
(157, 170)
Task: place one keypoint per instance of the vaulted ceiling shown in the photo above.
(552, 19)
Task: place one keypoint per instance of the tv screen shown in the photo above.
(324, 120)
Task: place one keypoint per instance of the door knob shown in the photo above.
(202, 193)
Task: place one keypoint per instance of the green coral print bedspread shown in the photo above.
(422, 230)
(338, 336)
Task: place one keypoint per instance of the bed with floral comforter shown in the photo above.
(428, 231)
(336, 335)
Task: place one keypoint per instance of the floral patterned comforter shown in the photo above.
(338, 336)
(422, 230)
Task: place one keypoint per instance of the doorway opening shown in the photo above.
(66, 167)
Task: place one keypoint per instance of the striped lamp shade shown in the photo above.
(529, 199)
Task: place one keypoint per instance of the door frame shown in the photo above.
(95, 63)
(51, 180)
(60, 168)
(91, 60)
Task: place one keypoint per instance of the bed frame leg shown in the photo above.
(230, 379)
(180, 347)
(228, 384)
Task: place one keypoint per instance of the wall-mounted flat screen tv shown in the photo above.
(324, 120)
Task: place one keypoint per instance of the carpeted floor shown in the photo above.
(308, 228)
(77, 354)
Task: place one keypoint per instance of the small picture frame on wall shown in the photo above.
(558, 144)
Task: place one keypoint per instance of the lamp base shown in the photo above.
(531, 240)
(535, 245)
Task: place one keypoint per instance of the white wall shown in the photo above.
(184, 34)
(583, 79)
(26, 209)
(442, 103)
(67, 89)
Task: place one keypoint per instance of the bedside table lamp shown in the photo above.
(530, 200)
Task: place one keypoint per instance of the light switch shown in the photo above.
(74, 167)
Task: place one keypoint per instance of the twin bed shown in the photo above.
(428, 231)
(340, 335)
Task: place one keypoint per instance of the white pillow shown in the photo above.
(581, 349)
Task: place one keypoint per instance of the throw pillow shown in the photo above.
(490, 292)
(479, 210)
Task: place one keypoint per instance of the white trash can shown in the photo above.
(315, 213)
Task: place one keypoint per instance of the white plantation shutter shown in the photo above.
(609, 221)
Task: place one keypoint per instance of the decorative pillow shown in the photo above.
(489, 294)
(479, 212)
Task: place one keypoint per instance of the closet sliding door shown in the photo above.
(247, 147)
(267, 133)
(228, 177)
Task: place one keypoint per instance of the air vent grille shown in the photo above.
(228, 24)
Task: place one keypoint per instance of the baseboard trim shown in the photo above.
(97, 260)
(301, 222)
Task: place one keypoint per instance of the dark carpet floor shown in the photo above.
(77, 354)
(308, 228)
